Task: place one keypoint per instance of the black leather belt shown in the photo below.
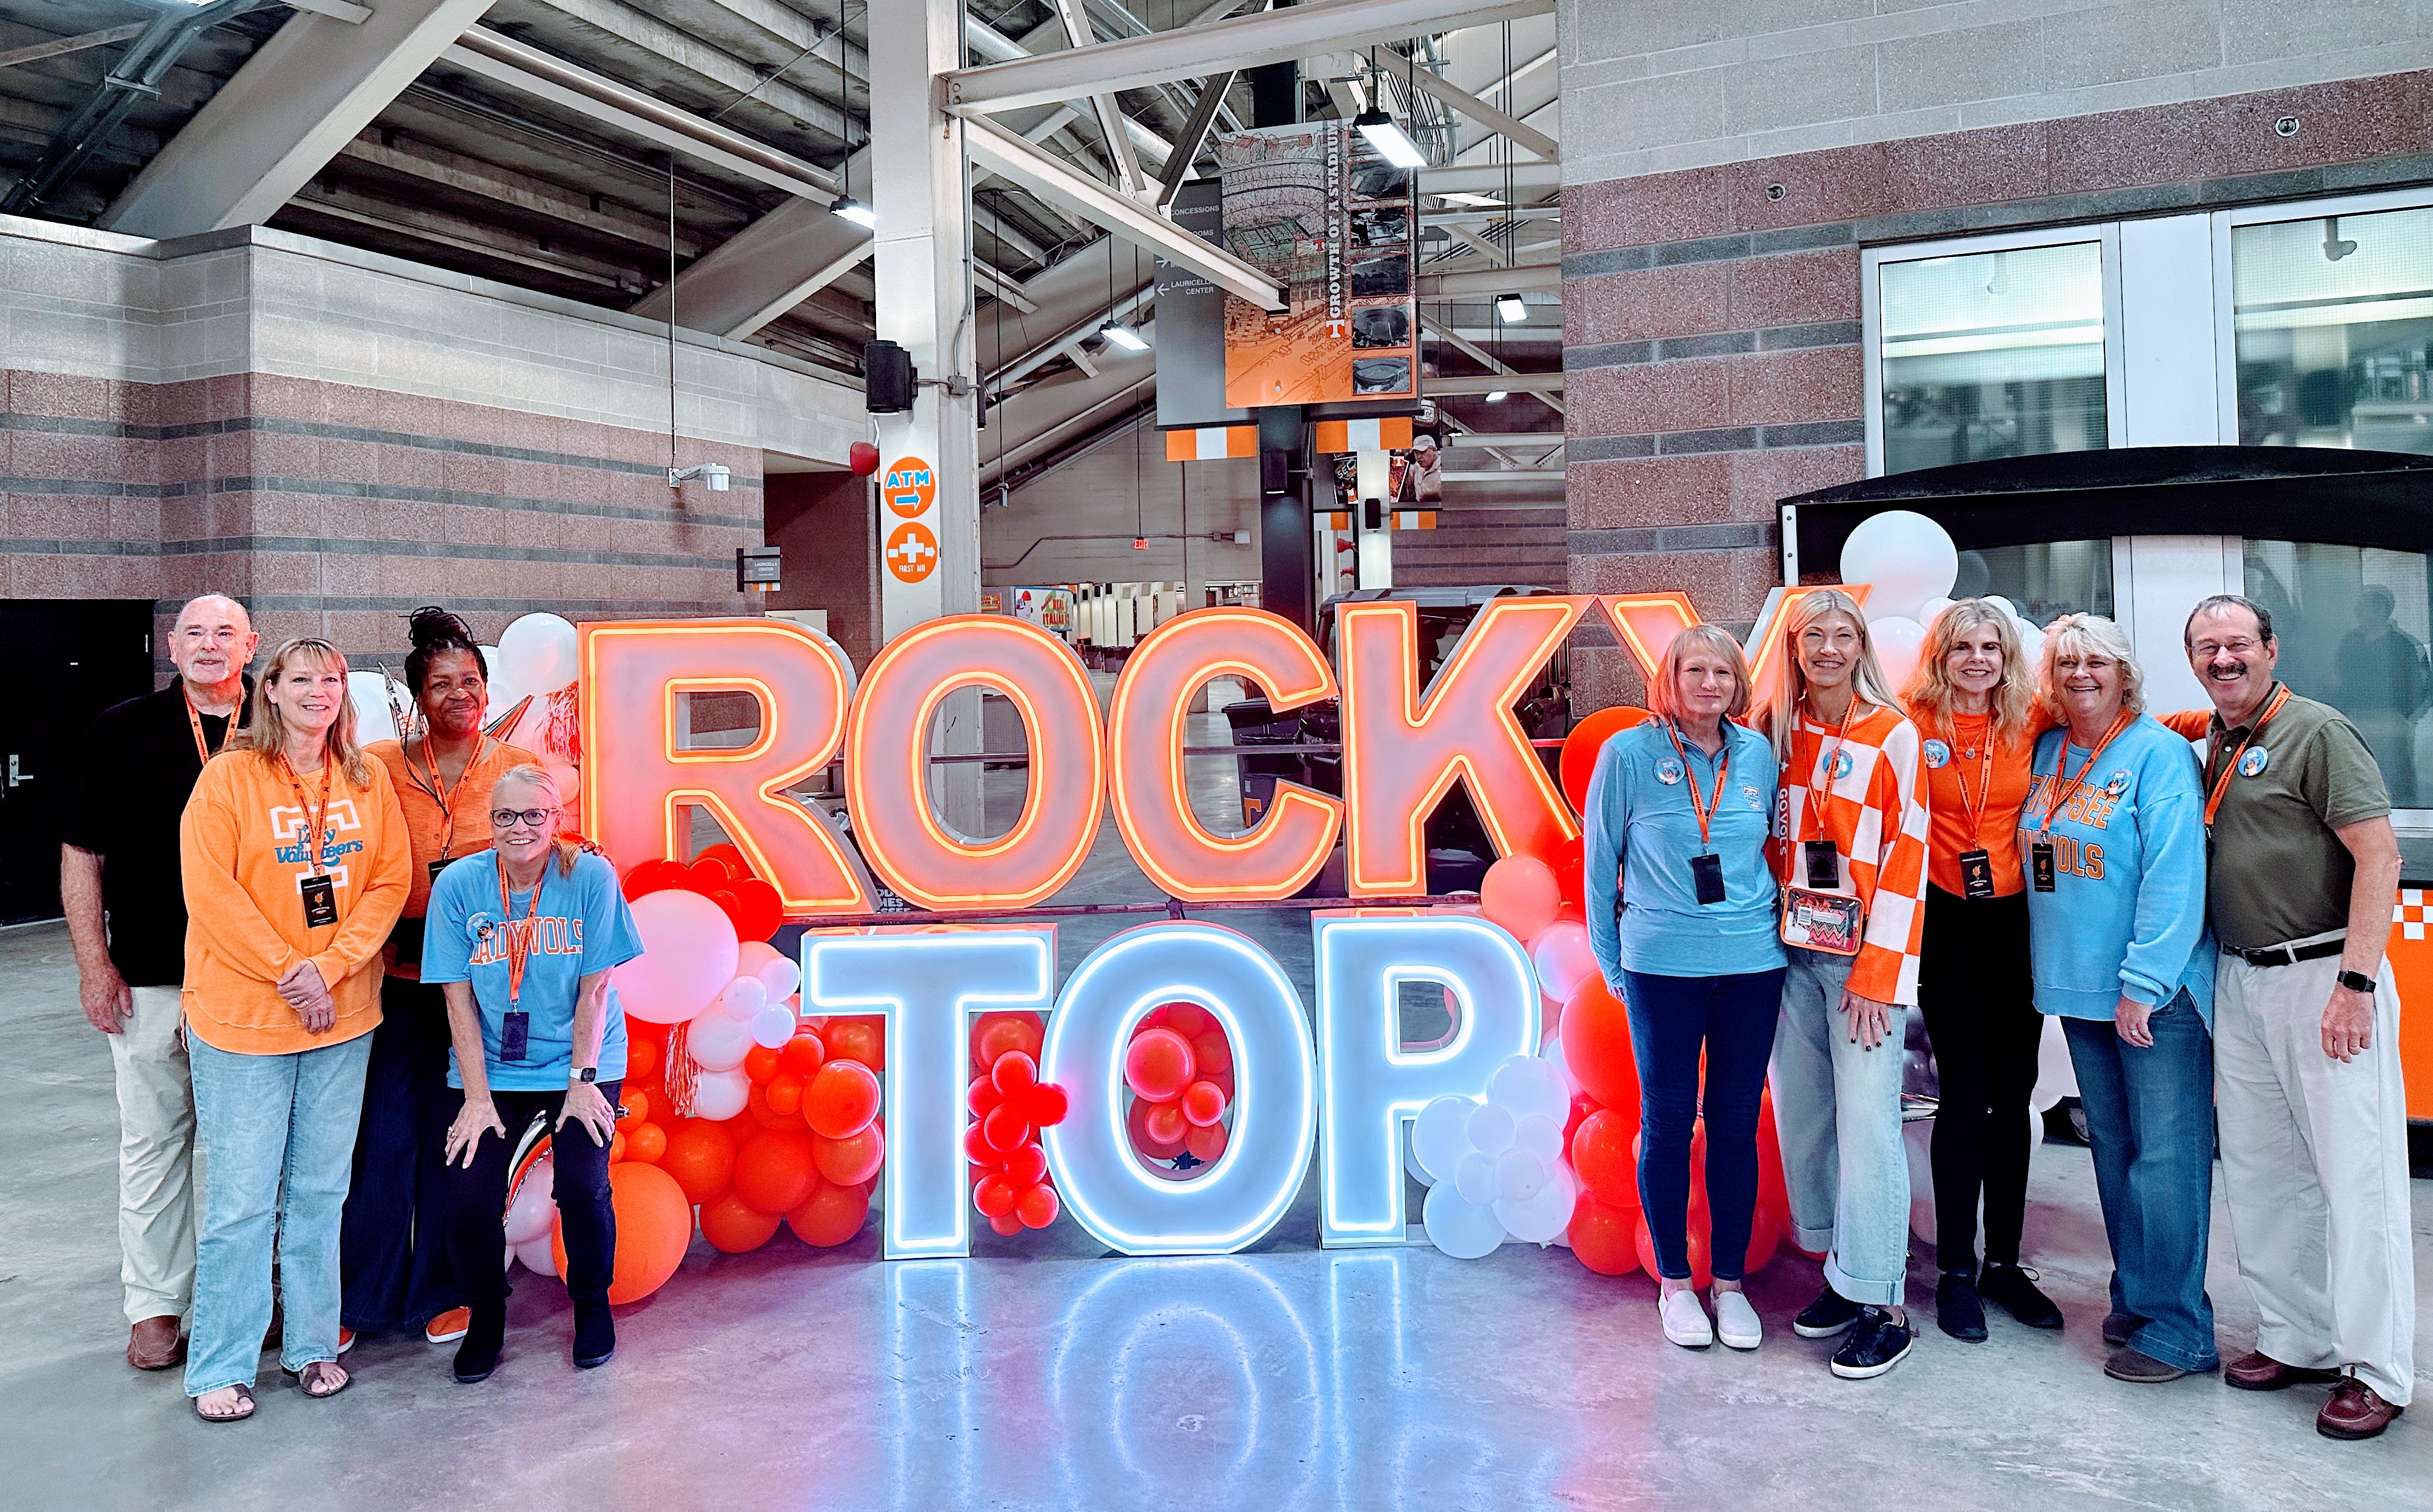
(2291, 954)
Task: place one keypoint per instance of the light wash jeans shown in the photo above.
(1837, 1106)
(278, 1131)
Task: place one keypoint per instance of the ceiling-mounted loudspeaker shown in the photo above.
(1275, 472)
(1372, 513)
(887, 378)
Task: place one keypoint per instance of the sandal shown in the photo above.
(243, 1399)
(313, 1377)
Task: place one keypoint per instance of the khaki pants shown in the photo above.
(156, 1150)
(2313, 1165)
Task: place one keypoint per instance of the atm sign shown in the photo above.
(911, 487)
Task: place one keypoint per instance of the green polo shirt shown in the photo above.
(2279, 873)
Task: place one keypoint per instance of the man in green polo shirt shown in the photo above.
(2313, 1116)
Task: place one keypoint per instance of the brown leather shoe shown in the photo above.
(154, 1344)
(2261, 1372)
(2355, 1410)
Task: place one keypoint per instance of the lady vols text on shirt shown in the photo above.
(1851, 843)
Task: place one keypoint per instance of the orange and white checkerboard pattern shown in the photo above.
(2407, 915)
(1875, 813)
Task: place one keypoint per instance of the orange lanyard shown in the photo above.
(313, 835)
(1703, 808)
(203, 752)
(2222, 783)
(1975, 813)
(519, 941)
(437, 788)
(2061, 760)
(1814, 808)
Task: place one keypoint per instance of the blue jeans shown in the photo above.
(1672, 1020)
(1837, 1107)
(2150, 1117)
(279, 1133)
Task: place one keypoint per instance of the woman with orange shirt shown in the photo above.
(293, 859)
(390, 1251)
(1973, 699)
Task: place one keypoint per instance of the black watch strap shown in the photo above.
(2356, 982)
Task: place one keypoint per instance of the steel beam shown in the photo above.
(1517, 130)
(1062, 185)
(433, 165)
(1110, 111)
(713, 63)
(1195, 135)
(61, 46)
(1491, 280)
(1496, 364)
(1490, 178)
(1194, 52)
(300, 97)
(1538, 383)
(761, 271)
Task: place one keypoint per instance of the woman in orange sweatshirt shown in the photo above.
(295, 864)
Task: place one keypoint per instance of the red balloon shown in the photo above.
(774, 1170)
(1026, 1165)
(756, 1108)
(647, 1144)
(734, 1226)
(851, 1161)
(996, 1034)
(785, 1094)
(642, 1061)
(1603, 1161)
(976, 1150)
(1582, 1105)
(1772, 1190)
(994, 1196)
(1765, 1235)
(857, 1038)
(651, 876)
(1005, 1225)
(1189, 1020)
(1045, 1105)
(1202, 1104)
(1214, 1052)
(701, 1156)
(760, 1064)
(1165, 1123)
(1013, 1073)
(758, 910)
(1158, 1065)
(801, 1055)
(1596, 1046)
(981, 1096)
(830, 1216)
(1005, 1129)
(1136, 1124)
(1702, 1270)
(708, 874)
(1037, 1206)
(1603, 1237)
(1208, 1143)
(841, 1100)
(1580, 748)
(1568, 861)
(726, 852)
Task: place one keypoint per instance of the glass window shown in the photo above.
(2042, 581)
(2353, 622)
(2334, 318)
(1993, 354)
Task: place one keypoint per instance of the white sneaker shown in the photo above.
(1685, 1321)
(1736, 1321)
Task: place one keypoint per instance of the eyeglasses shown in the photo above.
(225, 634)
(510, 818)
(2236, 648)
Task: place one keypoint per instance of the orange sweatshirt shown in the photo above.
(1872, 808)
(428, 827)
(243, 857)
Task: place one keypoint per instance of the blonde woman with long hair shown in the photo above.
(295, 861)
(1973, 700)
(1850, 844)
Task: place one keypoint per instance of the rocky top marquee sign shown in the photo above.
(1404, 746)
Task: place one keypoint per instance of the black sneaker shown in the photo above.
(2013, 1290)
(1956, 1307)
(1875, 1344)
(1828, 1315)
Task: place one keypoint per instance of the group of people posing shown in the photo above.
(1778, 877)
(398, 965)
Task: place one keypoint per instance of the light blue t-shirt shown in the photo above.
(581, 926)
(2127, 912)
(1643, 905)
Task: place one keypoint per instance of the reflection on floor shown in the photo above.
(1043, 1373)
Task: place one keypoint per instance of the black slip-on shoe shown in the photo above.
(1957, 1310)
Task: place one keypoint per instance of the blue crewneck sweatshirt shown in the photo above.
(2126, 915)
(1643, 905)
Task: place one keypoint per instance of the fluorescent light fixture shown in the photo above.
(1124, 336)
(1497, 396)
(1511, 309)
(1453, 196)
(1387, 137)
(855, 210)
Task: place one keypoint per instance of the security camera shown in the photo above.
(715, 476)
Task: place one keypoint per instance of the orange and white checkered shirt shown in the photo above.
(1872, 808)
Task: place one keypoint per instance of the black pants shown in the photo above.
(1980, 1017)
(477, 1200)
(392, 1253)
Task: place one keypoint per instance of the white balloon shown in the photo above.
(537, 1257)
(374, 719)
(773, 1026)
(1907, 558)
(1461, 1229)
(1519, 1174)
(1897, 641)
(743, 999)
(1411, 1167)
(503, 693)
(1552, 1053)
(2056, 1077)
(1917, 1142)
(533, 1206)
(1927, 611)
(1546, 1217)
(2009, 611)
(1527, 1085)
(779, 978)
(719, 1042)
(1474, 1178)
(538, 651)
(1490, 1129)
(1440, 1135)
(718, 1095)
(1539, 1135)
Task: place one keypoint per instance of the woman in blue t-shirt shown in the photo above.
(522, 938)
(1682, 918)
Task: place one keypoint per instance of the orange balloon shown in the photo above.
(1597, 1046)
(733, 1225)
(636, 1105)
(647, 1142)
(857, 1037)
(1587, 738)
(616, 1147)
(801, 1056)
(700, 1157)
(1702, 1270)
(1520, 894)
(842, 1097)
(641, 1058)
(851, 1159)
(654, 1226)
(1603, 1237)
(1603, 1157)
(760, 1064)
(1166, 1124)
(773, 1171)
(1038, 1206)
(996, 1034)
(830, 1216)
(785, 1094)
(757, 1110)
(1208, 1143)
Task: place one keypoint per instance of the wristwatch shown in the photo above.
(587, 1075)
(2356, 982)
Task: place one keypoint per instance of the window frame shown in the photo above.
(2105, 235)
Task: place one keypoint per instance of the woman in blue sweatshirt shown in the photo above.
(2113, 839)
(1681, 914)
